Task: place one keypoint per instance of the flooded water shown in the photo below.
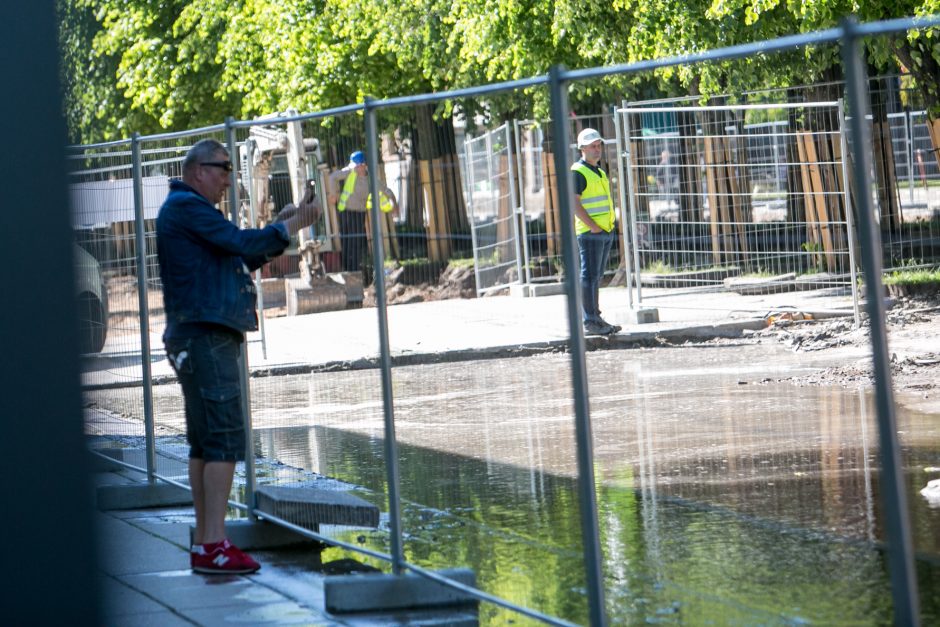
(723, 499)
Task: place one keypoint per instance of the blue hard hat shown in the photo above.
(357, 157)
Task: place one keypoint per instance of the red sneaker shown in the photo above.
(221, 558)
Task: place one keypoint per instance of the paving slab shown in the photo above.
(162, 618)
(129, 550)
(185, 590)
(122, 600)
(268, 613)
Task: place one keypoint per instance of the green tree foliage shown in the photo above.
(95, 108)
(150, 65)
(916, 51)
(143, 66)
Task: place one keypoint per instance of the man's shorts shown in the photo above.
(208, 367)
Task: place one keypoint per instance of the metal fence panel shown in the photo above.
(722, 204)
(491, 181)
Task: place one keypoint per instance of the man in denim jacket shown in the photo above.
(209, 299)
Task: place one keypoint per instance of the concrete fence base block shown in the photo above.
(311, 507)
(142, 496)
(533, 290)
(546, 289)
(380, 592)
(644, 315)
(251, 535)
(518, 290)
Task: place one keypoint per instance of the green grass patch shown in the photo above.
(414, 261)
(461, 263)
(912, 277)
(659, 267)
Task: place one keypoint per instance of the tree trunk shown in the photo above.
(690, 182)
(440, 184)
(889, 203)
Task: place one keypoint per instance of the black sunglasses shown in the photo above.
(225, 165)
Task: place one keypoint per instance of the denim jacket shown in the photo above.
(205, 262)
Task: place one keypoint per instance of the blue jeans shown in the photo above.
(595, 249)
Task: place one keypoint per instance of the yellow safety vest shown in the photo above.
(595, 199)
(385, 204)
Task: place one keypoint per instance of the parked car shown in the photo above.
(92, 293)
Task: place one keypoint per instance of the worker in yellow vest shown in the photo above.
(594, 227)
(353, 202)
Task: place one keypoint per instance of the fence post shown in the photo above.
(513, 207)
(143, 305)
(471, 213)
(631, 196)
(626, 211)
(849, 221)
(250, 146)
(378, 256)
(900, 546)
(526, 277)
(909, 150)
(586, 491)
(243, 357)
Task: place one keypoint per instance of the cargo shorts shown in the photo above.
(208, 367)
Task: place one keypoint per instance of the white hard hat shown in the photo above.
(588, 136)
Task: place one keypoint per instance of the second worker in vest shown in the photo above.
(353, 203)
(594, 226)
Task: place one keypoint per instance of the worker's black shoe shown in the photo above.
(613, 328)
(597, 328)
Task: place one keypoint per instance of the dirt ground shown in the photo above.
(453, 283)
(913, 329)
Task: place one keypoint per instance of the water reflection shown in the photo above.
(721, 499)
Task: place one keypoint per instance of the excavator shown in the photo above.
(271, 154)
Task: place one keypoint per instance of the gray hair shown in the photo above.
(202, 151)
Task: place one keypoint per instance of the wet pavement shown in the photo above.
(145, 578)
(722, 498)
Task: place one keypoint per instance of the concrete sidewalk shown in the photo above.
(145, 578)
(462, 329)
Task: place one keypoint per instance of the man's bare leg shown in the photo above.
(211, 483)
(196, 470)
(217, 485)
